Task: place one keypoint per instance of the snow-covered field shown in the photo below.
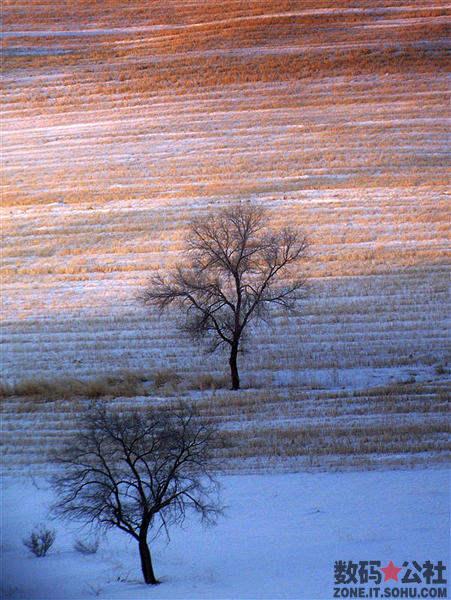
(279, 539)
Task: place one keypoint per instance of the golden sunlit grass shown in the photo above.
(332, 117)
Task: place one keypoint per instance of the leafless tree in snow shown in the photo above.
(236, 269)
(140, 472)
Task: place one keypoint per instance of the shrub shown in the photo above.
(87, 547)
(128, 384)
(6, 389)
(40, 540)
(440, 370)
(165, 376)
(209, 382)
(33, 387)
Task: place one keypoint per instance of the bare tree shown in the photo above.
(139, 471)
(237, 268)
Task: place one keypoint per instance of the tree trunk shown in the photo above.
(146, 562)
(234, 367)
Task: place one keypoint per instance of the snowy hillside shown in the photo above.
(120, 123)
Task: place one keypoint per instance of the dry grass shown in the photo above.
(403, 424)
(208, 381)
(166, 378)
(124, 384)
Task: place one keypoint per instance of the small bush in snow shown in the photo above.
(208, 382)
(87, 547)
(163, 377)
(40, 540)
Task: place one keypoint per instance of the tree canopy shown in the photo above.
(236, 268)
(137, 471)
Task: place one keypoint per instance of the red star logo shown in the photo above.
(391, 572)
